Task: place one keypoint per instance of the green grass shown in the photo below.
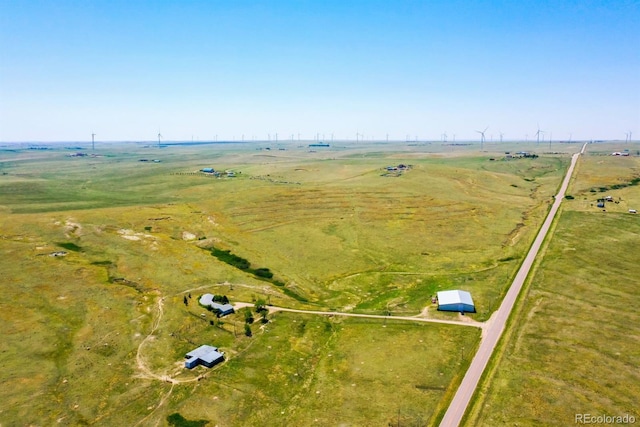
(572, 348)
(309, 369)
(335, 234)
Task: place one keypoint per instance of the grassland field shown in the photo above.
(89, 336)
(573, 346)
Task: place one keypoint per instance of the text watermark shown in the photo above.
(604, 419)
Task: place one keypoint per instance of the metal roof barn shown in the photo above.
(456, 301)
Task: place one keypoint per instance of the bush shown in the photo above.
(231, 259)
(178, 420)
(247, 330)
(221, 299)
(264, 272)
(70, 246)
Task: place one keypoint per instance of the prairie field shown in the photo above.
(573, 344)
(104, 257)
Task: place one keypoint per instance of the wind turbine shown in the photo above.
(501, 135)
(159, 136)
(538, 134)
(93, 142)
(630, 133)
(481, 132)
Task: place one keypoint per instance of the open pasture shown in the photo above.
(573, 347)
(601, 174)
(108, 314)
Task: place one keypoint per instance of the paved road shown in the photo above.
(495, 326)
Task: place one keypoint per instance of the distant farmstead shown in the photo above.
(456, 301)
(204, 355)
(208, 300)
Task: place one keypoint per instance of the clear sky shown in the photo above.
(196, 69)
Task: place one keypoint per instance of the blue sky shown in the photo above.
(201, 69)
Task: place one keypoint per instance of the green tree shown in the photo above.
(248, 315)
(260, 305)
(247, 330)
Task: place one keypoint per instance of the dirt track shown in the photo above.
(465, 322)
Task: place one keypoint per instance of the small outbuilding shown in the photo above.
(455, 301)
(204, 355)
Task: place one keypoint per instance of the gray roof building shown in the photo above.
(223, 309)
(204, 355)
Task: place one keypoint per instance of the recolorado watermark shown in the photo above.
(604, 419)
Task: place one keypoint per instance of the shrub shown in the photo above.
(70, 246)
(264, 272)
(178, 420)
(221, 299)
(231, 259)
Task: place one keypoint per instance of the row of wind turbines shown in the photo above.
(538, 133)
(444, 136)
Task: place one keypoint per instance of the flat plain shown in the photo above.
(97, 335)
(572, 347)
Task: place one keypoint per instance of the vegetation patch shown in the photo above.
(634, 181)
(177, 420)
(70, 246)
(231, 259)
(261, 273)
